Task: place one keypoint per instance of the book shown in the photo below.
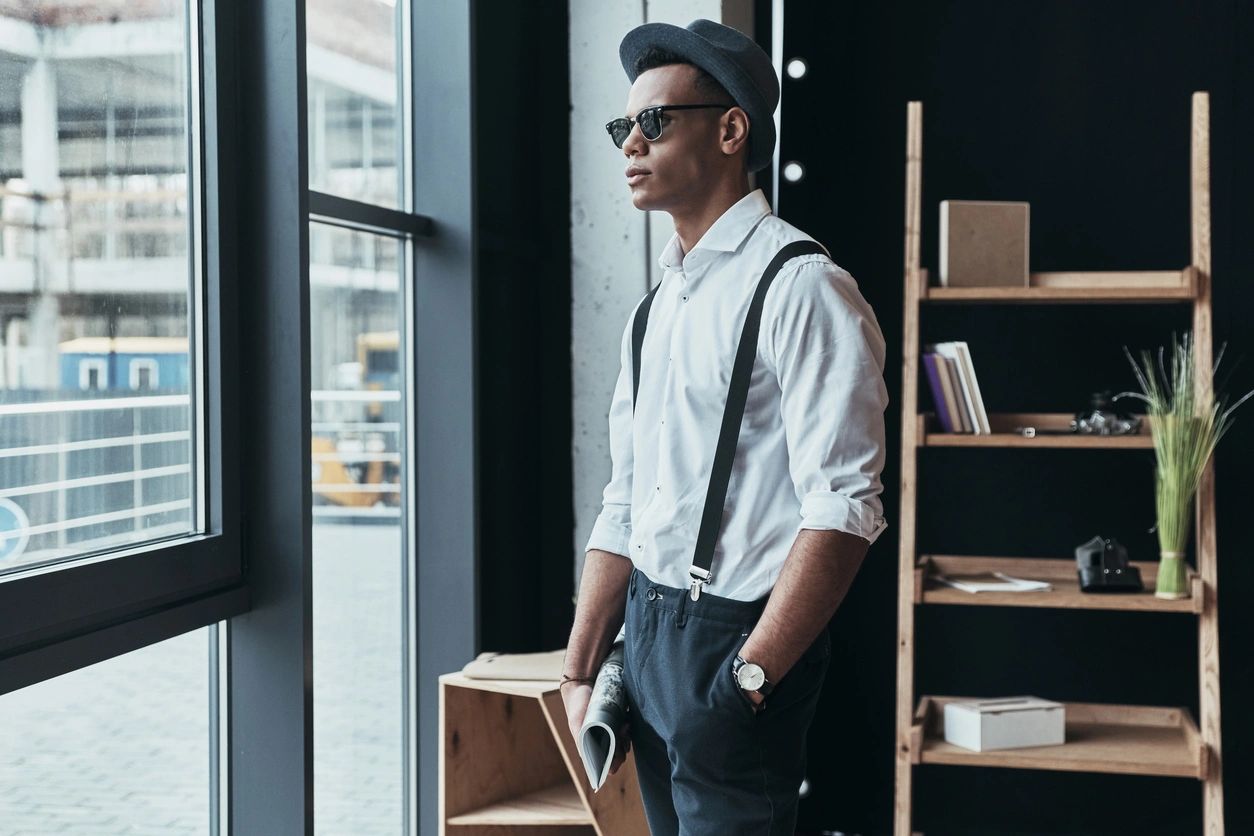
(518, 666)
(960, 410)
(960, 395)
(990, 582)
(977, 399)
(938, 386)
(953, 395)
(606, 716)
(960, 356)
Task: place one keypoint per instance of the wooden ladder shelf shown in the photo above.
(1128, 739)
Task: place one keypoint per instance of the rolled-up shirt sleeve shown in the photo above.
(828, 353)
(612, 530)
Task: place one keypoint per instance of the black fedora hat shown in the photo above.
(732, 58)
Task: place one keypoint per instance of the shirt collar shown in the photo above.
(726, 234)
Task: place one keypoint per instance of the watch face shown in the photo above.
(750, 676)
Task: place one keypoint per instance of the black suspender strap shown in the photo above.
(637, 341)
(733, 412)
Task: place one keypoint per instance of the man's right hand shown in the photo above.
(575, 698)
(599, 613)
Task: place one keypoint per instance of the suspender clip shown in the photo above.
(700, 577)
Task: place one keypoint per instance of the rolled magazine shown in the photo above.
(607, 713)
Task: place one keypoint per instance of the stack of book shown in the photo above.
(955, 391)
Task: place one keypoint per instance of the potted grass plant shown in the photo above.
(1186, 425)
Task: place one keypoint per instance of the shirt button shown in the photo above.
(639, 546)
(685, 298)
(659, 487)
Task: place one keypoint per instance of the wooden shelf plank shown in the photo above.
(1003, 425)
(1093, 287)
(1060, 573)
(1124, 739)
(556, 805)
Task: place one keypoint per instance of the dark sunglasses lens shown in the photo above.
(619, 130)
(650, 124)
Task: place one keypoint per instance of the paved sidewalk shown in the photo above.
(123, 747)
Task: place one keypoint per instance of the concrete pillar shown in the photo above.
(40, 168)
(41, 171)
(614, 247)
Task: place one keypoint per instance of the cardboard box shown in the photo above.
(1007, 723)
(983, 244)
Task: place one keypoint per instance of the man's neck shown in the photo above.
(694, 223)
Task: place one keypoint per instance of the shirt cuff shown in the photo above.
(609, 535)
(826, 510)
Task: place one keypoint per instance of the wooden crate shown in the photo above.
(508, 765)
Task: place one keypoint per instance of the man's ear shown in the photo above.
(734, 127)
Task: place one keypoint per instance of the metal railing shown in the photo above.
(86, 473)
(356, 453)
(80, 472)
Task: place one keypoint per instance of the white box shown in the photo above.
(1007, 723)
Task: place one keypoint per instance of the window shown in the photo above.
(360, 565)
(124, 745)
(159, 193)
(355, 141)
(97, 221)
(120, 513)
(93, 373)
(360, 295)
(144, 373)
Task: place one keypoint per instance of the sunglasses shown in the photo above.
(649, 120)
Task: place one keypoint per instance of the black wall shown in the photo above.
(526, 514)
(1082, 109)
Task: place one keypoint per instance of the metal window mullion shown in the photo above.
(444, 450)
(270, 659)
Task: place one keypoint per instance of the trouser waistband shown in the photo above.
(661, 596)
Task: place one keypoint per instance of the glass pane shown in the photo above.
(354, 144)
(122, 746)
(95, 279)
(357, 327)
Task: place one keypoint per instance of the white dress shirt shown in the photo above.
(811, 444)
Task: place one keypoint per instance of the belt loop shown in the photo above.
(631, 584)
(681, 614)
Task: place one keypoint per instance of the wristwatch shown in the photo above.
(750, 677)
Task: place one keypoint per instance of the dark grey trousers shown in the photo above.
(707, 763)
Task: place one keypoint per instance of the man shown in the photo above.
(723, 668)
